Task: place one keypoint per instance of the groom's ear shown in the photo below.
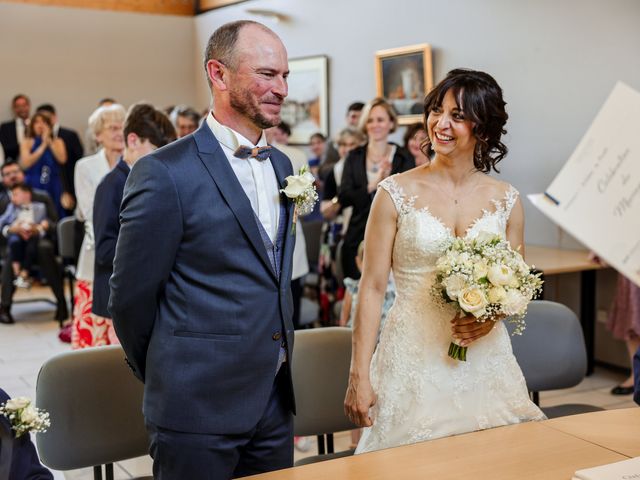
(217, 73)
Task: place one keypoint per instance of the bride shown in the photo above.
(409, 390)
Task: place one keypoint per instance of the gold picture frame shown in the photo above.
(403, 77)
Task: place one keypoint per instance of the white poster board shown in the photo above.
(596, 195)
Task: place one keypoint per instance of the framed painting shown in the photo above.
(403, 77)
(306, 108)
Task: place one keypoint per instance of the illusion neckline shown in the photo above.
(498, 204)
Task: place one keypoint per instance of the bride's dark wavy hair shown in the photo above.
(479, 96)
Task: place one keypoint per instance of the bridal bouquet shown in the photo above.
(486, 278)
(24, 417)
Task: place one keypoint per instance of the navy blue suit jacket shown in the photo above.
(25, 464)
(106, 226)
(194, 299)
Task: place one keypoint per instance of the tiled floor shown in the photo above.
(27, 344)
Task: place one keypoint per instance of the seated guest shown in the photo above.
(74, 153)
(13, 175)
(23, 463)
(185, 119)
(23, 223)
(414, 138)
(145, 130)
(42, 157)
(107, 124)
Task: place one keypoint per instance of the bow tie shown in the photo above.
(259, 153)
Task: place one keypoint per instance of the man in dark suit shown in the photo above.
(74, 153)
(145, 130)
(13, 175)
(18, 456)
(13, 132)
(200, 292)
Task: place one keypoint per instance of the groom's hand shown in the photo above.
(359, 399)
(467, 329)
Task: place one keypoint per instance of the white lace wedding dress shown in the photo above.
(422, 393)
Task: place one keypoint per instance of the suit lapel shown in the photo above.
(215, 161)
(282, 167)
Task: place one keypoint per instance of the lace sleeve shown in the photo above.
(510, 199)
(396, 193)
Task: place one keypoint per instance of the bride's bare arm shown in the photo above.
(379, 238)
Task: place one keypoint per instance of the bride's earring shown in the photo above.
(477, 154)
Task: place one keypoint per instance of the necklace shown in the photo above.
(467, 190)
(374, 160)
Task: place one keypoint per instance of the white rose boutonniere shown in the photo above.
(24, 417)
(302, 190)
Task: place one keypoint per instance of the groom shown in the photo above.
(200, 293)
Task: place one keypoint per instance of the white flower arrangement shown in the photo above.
(486, 278)
(302, 190)
(24, 417)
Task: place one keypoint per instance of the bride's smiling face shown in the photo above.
(450, 132)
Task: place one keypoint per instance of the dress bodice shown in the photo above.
(421, 237)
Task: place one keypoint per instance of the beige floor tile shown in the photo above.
(137, 467)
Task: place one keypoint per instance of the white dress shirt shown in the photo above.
(88, 173)
(21, 128)
(257, 178)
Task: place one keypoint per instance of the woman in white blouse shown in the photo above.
(107, 124)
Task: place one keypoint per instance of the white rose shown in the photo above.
(29, 415)
(473, 301)
(496, 294)
(17, 403)
(514, 303)
(454, 285)
(486, 237)
(500, 275)
(297, 184)
(480, 270)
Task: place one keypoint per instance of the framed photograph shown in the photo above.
(403, 77)
(306, 108)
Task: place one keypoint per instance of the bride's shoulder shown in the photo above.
(408, 182)
(499, 189)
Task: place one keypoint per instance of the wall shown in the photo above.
(556, 61)
(73, 57)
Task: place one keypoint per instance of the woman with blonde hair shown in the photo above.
(364, 169)
(107, 125)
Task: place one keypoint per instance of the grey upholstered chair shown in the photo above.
(95, 404)
(321, 358)
(552, 354)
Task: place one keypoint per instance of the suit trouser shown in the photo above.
(266, 447)
(50, 269)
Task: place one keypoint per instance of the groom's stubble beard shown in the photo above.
(245, 103)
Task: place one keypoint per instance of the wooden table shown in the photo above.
(556, 261)
(617, 430)
(549, 450)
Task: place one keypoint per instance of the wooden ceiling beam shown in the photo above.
(163, 7)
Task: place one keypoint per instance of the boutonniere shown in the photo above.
(302, 190)
(24, 417)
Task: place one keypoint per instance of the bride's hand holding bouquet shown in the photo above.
(485, 280)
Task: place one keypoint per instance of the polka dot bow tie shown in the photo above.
(259, 153)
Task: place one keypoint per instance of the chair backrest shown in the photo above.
(321, 359)
(551, 350)
(312, 233)
(67, 238)
(95, 404)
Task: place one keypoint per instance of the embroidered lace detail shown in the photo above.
(422, 393)
(403, 203)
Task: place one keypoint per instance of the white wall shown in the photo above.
(556, 61)
(73, 57)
